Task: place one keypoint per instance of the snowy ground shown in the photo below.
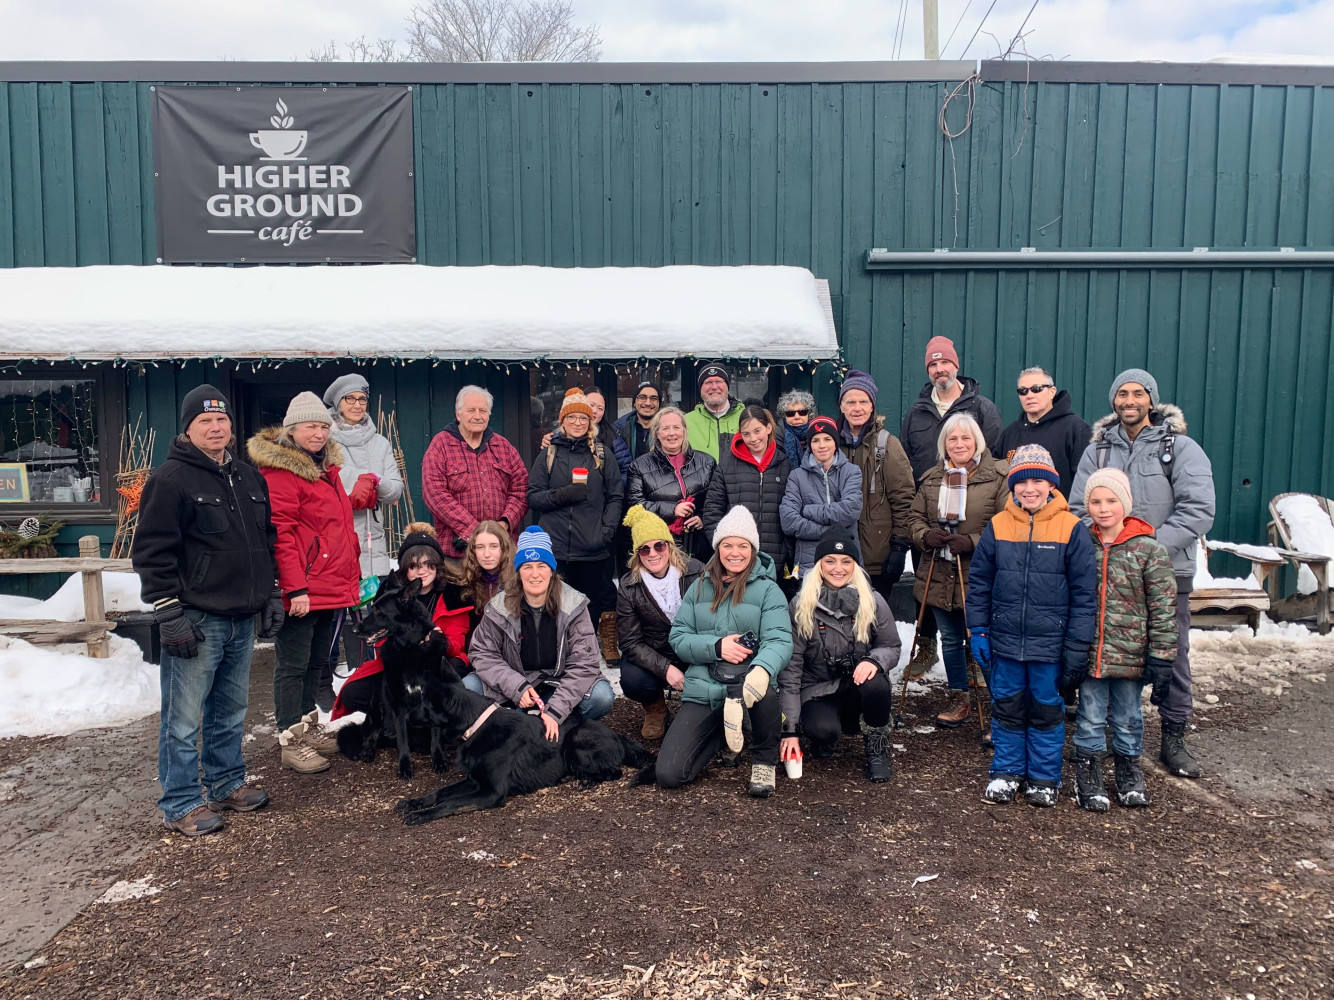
(1267, 664)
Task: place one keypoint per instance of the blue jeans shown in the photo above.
(640, 685)
(1119, 697)
(953, 646)
(595, 704)
(213, 685)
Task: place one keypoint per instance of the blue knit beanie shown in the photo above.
(534, 546)
(857, 379)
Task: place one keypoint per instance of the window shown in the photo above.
(666, 376)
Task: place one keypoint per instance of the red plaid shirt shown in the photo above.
(463, 487)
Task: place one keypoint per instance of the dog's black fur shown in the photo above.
(409, 663)
(509, 754)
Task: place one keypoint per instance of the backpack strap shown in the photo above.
(881, 449)
(599, 453)
(551, 457)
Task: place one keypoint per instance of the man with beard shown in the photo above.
(946, 392)
(630, 437)
(1173, 486)
(711, 424)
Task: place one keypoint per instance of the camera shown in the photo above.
(843, 665)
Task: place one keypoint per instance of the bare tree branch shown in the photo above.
(500, 31)
(360, 50)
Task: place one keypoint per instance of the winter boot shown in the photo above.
(655, 720)
(607, 636)
(298, 755)
(1089, 788)
(196, 823)
(1001, 789)
(1174, 755)
(323, 741)
(923, 659)
(733, 719)
(879, 767)
(1130, 789)
(1042, 794)
(960, 710)
(762, 780)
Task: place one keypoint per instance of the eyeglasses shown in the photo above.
(645, 397)
(1025, 390)
(656, 548)
(796, 413)
(357, 400)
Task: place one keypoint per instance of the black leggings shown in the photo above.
(591, 580)
(696, 734)
(822, 719)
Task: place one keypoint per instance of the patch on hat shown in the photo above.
(532, 555)
(937, 356)
(215, 406)
(838, 546)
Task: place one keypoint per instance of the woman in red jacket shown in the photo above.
(319, 568)
(419, 558)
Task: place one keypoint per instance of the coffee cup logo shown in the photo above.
(282, 142)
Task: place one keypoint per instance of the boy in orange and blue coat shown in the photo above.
(1032, 614)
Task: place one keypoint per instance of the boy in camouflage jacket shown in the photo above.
(1135, 645)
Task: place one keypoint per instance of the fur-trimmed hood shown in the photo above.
(268, 452)
(1163, 415)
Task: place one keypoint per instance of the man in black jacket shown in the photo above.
(204, 552)
(1049, 421)
(946, 392)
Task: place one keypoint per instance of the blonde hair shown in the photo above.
(966, 421)
(591, 437)
(803, 616)
(676, 557)
(657, 420)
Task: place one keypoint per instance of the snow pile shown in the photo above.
(415, 311)
(1264, 553)
(1311, 531)
(53, 690)
(123, 891)
(120, 590)
(1204, 580)
(1269, 661)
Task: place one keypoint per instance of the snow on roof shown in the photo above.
(404, 311)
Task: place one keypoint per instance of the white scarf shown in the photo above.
(666, 591)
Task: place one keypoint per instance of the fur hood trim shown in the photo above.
(267, 452)
(1162, 414)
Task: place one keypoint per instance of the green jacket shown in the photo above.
(704, 430)
(697, 629)
(1137, 603)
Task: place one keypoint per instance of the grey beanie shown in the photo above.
(344, 386)
(305, 408)
(1138, 375)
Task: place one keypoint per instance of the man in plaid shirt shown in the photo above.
(472, 474)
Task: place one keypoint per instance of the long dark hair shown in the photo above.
(514, 599)
(736, 587)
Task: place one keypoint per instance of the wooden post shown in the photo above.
(94, 601)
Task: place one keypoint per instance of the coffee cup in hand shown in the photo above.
(579, 475)
(792, 762)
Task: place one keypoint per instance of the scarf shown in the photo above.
(666, 592)
(842, 602)
(953, 501)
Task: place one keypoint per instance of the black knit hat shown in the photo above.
(415, 538)
(713, 371)
(200, 400)
(837, 541)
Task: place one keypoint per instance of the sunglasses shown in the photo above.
(1034, 388)
(656, 548)
(796, 413)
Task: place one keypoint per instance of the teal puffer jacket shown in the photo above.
(697, 629)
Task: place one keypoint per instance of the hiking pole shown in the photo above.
(917, 636)
(974, 668)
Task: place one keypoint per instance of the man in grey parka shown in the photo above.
(1172, 484)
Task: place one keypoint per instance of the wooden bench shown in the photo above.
(1215, 606)
(1279, 532)
(94, 629)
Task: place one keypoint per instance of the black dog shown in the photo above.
(412, 653)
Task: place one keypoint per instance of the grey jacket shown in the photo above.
(494, 647)
(366, 450)
(816, 499)
(1177, 498)
(807, 676)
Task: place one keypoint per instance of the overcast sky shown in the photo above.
(672, 30)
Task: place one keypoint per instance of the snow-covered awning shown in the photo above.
(415, 311)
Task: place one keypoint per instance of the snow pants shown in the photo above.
(1027, 720)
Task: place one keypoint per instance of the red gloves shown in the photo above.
(365, 491)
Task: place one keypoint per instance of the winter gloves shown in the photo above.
(934, 538)
(895, 563)
(1074, 667)
(1159, 674)
(960, 545)
(180, 636)
(981, 647)
(365, 491)
(271, 616)
(572, 494)
(755, 685)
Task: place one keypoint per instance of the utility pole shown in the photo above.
(931, 28)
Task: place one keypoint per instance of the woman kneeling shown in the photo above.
(535, 647)
(733, 634)
(844, 644)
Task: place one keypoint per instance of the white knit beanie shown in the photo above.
(1111, 479)
(306, 408)
(738, 523)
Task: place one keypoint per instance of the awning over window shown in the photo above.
(415, 311)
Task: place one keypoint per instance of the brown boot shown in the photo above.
(960, 710)
(245, 799)
(196, 823)
(607, 635)
(655, 720)
(298, 755)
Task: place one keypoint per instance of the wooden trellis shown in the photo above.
(397, 515)
(136, 462)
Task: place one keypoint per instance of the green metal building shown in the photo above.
(834, 167)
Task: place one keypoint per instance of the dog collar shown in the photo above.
(486, 714)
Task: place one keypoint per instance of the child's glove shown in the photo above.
(1158, 673)
(981, 647)
(1074, 667)
(755, 686)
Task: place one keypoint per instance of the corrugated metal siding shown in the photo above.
(815, 174)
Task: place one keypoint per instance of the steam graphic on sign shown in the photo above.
(282, 142)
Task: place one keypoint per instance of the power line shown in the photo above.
(1020, 33)
(956, 27)
(979, 29)
(896, 50)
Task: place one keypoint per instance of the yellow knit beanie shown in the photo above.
(645, 526)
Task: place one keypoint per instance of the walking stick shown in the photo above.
(917, 635)
(974, 668)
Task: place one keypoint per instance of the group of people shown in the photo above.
(759, 557)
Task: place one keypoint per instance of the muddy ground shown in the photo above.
(834, 887)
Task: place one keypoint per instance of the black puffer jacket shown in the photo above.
(1062, 432)
(653, 483)
(205, 536)
(738, 480)
(922, 423)
(641, 627)
(581, 530)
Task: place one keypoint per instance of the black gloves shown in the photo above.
(1074, 667)
(460, 544)
(960, 545)
(574, 493)
(271, 616)
(934, 538)
(180, 636)
(1159, 674)
(895, 563)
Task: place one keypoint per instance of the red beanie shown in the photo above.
(941, 349)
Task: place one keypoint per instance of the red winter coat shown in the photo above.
(463, 487)
(318, 552)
